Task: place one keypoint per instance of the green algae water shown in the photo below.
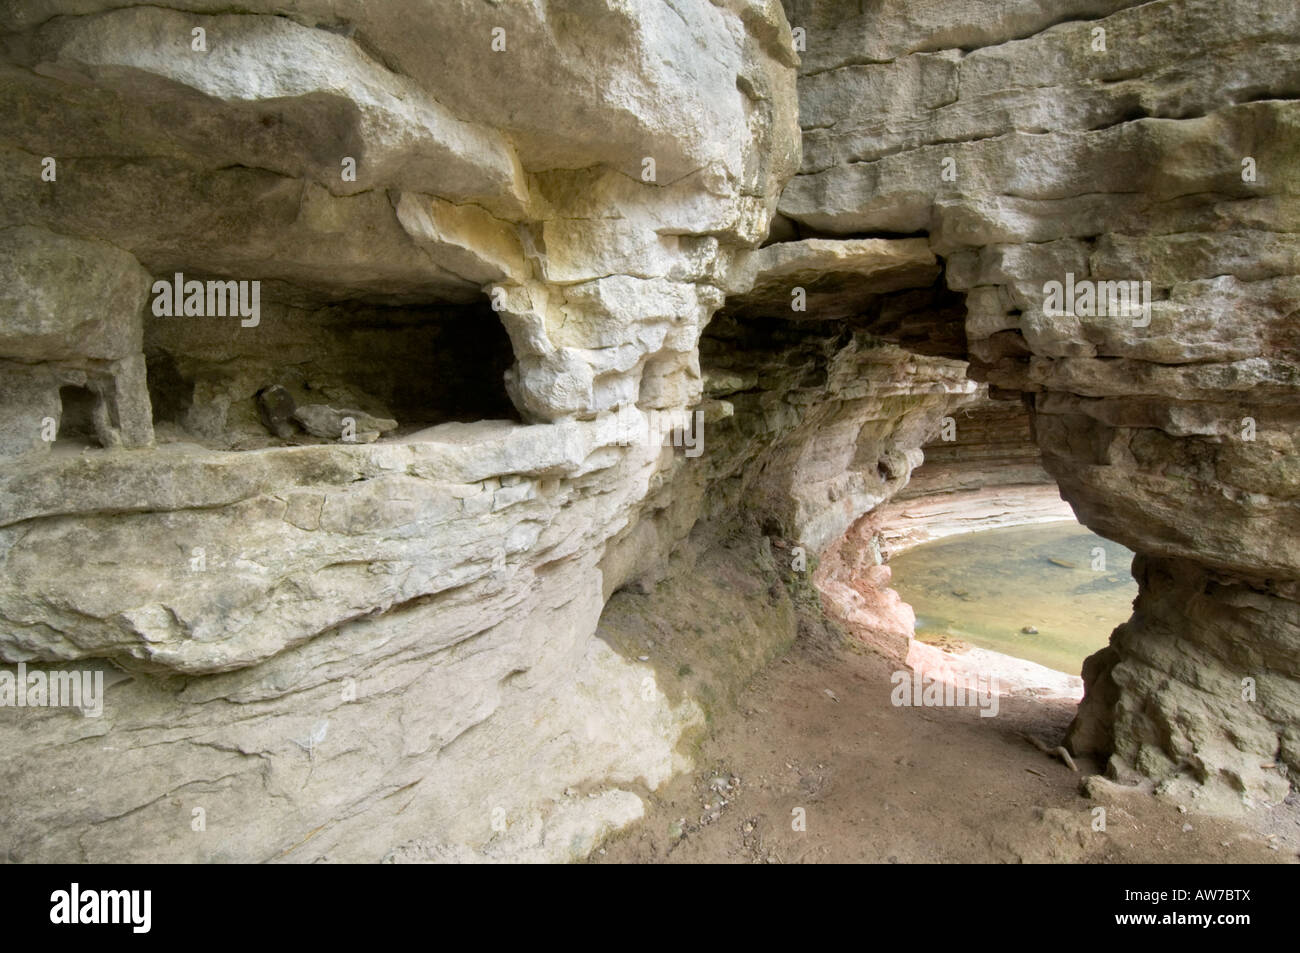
(985, 588)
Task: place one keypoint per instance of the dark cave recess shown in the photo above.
(418, 366)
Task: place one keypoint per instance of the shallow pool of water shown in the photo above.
(986, 588)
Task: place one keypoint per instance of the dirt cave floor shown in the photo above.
(884, 784)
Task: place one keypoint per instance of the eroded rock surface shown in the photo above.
(308, 629)
(1112, 142)
(614, 333)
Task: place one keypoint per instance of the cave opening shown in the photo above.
(967, 549)
(987, 555)
(77, 417)
(307, 374)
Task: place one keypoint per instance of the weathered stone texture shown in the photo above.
(418, 645)
(1113, 141)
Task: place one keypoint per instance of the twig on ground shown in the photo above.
(1059, 751)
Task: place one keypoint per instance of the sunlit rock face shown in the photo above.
(1086, 143)
(342, 543)
(379, 381)
(346, 375)
(595, 169)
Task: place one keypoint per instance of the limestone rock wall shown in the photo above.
(357, 645)
(1111, 141)
(491, 237)
(365, 569)
(987, 443)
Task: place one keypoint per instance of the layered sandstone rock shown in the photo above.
(334, 644)
(329, 641)
(511, 255)
(1109, 142)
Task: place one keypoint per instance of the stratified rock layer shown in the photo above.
(362, 614)
(381, 567)
(1108, 142)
